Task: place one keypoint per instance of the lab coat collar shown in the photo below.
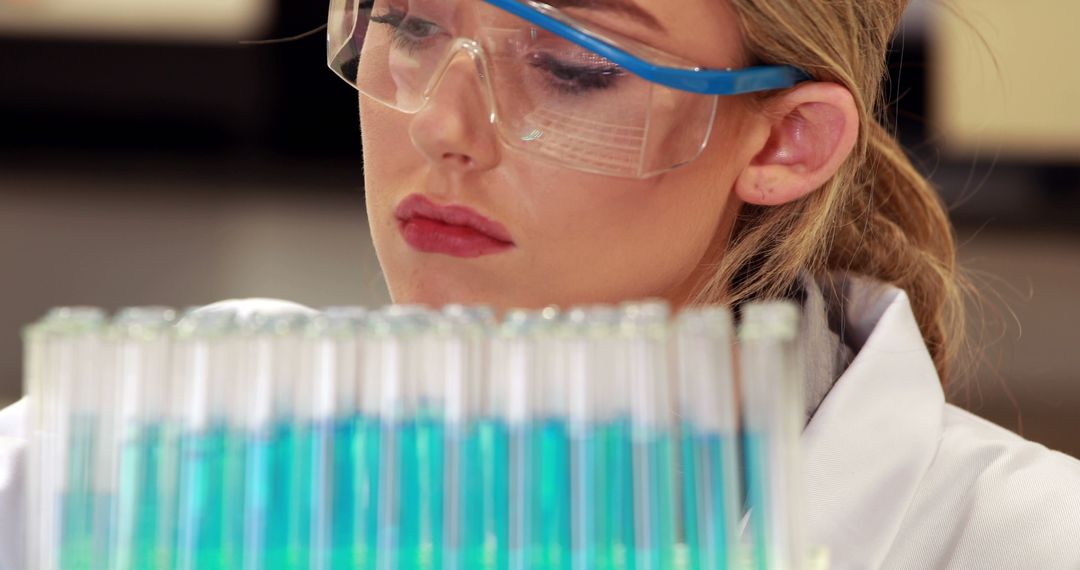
(874, 436)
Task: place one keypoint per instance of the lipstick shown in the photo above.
(452, 230)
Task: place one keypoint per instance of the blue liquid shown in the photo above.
(251, 533)
(200, 538)
(482, 448)
(691, 477)
(549, 529)
(422, 494)
(616, 472)
(77, 500)
(756, 471)
(708, 463)
(367, 449)
(602, 495)
(655, 500)
(168, 494)
(282, 497)
(138, 519)
(301, 496)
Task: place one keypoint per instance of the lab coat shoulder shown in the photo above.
(898, 478)
(12, 474)
(992, 499)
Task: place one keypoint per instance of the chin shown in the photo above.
(436, 289)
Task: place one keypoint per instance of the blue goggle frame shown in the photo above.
(699, 80)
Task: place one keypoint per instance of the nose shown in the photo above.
(455, 129)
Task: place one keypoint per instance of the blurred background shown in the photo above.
(147, 157)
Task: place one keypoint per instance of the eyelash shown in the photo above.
(564, 78)
(571, 79)
(400, 39)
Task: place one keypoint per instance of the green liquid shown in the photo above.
(77, 500)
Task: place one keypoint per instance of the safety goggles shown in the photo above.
(557, 87)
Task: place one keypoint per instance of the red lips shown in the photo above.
(452, 230)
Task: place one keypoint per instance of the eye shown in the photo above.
(575, 79)
(409, 32)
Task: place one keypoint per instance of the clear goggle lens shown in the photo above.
(548, 95)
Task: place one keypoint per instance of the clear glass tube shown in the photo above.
(241, 438)
(62, 351)
(773, 413)
(134, 399)
(709, 432)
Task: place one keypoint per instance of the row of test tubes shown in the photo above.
(600, 437)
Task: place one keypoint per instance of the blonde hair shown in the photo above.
(878, 216)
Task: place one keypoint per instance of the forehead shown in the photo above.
(703, 31)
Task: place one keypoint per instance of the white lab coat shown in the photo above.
(896, 478)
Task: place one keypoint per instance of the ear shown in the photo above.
(809, 132)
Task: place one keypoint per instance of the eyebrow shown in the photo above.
(624, 7)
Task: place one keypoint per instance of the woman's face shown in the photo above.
(568, 237)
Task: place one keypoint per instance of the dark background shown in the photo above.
(163, 172)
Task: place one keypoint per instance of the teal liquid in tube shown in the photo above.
(235, 481)
(257, 497)
(138, 507)
(484, 496)
(589, 548)
(707, 498)
(282, 496)
(200, 536)
(320, 485)
(549, 541)
(354, 493)
(343, 504)
(655, 500)
(168, 494)
(691, 460)
(367, 442)
(77, 499)
(756, 473)
(304, 470)
(615, 498)
(420, 513)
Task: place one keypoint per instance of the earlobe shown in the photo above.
(811, 134)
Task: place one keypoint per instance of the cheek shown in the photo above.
(614, 240)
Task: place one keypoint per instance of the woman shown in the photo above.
(580, 151)
(525, 165)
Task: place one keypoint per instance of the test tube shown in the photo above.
(515, 356)
(346, 489)
(205, 365)
(130, 467)
(774, 415)
(709, 431)
(464, 341)
(77, 358)
(286, 506)
(324, 425)
(649, 383)
(543, 514)
(601, 443)
(410, 478)
(61, 377)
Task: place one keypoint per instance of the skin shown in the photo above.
(587, 238)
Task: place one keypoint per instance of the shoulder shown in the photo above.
(996, 499)
(12, 473)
